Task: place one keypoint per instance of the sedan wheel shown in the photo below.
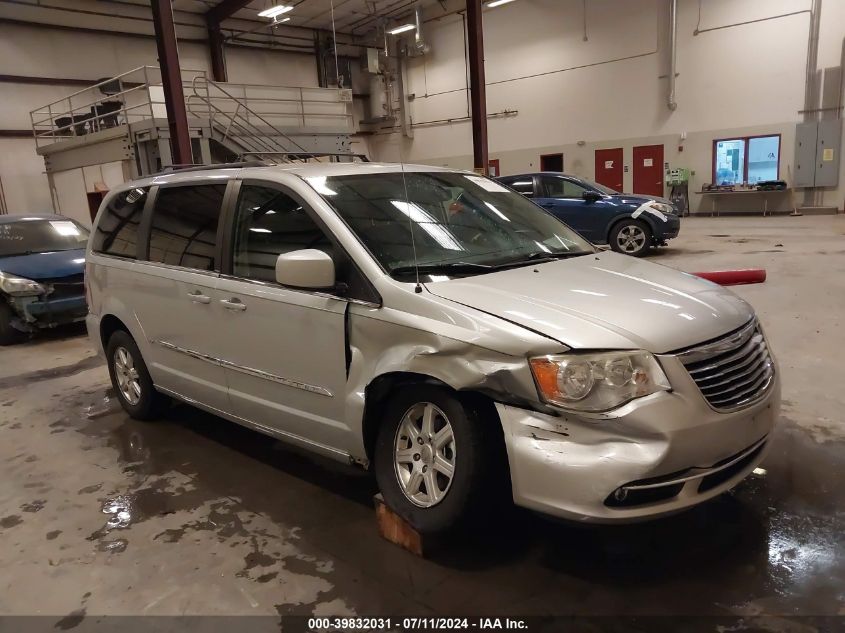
(631, 237)
(424, 454)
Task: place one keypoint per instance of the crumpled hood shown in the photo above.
(45, 265)
(604, 301)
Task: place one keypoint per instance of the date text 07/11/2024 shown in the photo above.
(414, 624)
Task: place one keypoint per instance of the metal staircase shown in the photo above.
(234, 125)
(123, 120)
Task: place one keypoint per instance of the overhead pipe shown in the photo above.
(421, 47)
(811, 75)
(673, 53)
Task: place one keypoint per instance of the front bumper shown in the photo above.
(667, 230)
(36, 313)
(652, 457)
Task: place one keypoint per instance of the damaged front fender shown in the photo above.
(384, 342)
(22, 319)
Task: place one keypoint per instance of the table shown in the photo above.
(744, 192)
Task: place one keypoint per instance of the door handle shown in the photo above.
(547, 205)
(233, 304)
(197, 297)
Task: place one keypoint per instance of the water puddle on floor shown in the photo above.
(775, 544)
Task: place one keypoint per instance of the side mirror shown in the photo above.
(591, 196)
(307, 268)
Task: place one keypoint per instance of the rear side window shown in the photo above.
(562, 188)
(117, 231)
(525, 186)
(183, 231)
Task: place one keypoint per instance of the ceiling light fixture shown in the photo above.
(402, 29)
(278, 21)
(272, 12)
(496, 3)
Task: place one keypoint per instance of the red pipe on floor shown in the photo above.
(735, 277)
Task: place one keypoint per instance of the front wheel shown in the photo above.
(436, 459)
(631, 237)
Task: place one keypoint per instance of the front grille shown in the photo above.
(734, 371)
(65, 287)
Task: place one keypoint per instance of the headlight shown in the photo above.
(19, 286)
(597, 382)
(664, 208)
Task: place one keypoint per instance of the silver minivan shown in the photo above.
(436, 327)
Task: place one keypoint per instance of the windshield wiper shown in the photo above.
(22, 253)
(448, 268)
(541, 257)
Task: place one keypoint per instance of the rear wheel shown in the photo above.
(632, 237)
(131, 380)
(436, 460)
(8, 334)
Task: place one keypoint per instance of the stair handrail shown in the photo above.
(275, 130)
(245, 136)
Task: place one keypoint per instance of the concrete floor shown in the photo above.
(100, 514)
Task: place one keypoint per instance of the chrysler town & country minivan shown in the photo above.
(436, 327)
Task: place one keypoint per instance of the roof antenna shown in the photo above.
(418, 288)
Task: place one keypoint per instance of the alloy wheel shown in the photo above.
(128, 380)
(424, 454)
(631, 238)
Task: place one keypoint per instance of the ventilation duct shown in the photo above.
(673, 53)
(420, 46)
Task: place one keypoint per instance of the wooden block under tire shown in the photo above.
(395, 529)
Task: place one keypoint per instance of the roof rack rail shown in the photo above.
(172, 169)
(300, 155)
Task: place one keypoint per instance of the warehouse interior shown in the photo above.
(730, 111)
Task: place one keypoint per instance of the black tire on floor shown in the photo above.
(8, 334)
(630, 224)
(150, 403)
(480, 472)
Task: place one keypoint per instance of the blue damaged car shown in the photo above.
(42, 268)
(630, 224)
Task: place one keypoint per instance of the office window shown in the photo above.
(746, 160)
(117, 231)
(763, 154)
(184, 225)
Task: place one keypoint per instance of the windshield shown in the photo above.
(598, 187)
(40, 236)
(458, 224)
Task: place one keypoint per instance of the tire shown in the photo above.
(8, 334)
(477, 483)
(131, 380)
(630, 237)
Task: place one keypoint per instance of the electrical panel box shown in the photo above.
(806, 135)
(817, 147)
(828, 147)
